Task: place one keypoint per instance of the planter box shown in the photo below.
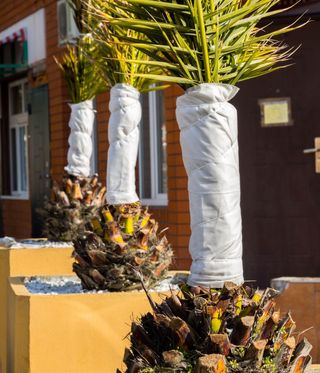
(27, 262)
(74, 333)
(301, 296)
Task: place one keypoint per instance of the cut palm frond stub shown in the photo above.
(201, 41)
(121, 241)
(71, 207)
(236, 329)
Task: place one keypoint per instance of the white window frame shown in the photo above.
(94, 138)
(18, 121)
(157, 198)
(72, 31)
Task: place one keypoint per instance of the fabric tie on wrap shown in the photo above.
(123, 135)
(80, 143)
(208, 137)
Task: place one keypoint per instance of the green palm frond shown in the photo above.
(118, 61)
(82, 16)
(197, 41)
(81, 75)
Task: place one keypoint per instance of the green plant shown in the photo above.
(81, 75)
(120, 62)
(197, 41)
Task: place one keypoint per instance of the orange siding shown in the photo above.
(16, 216)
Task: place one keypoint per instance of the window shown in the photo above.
(67, 29)
(13, 53)
(18, 138)
(153, 150)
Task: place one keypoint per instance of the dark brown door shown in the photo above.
(280, 189)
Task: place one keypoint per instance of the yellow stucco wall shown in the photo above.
(27, 262)
(71, 333)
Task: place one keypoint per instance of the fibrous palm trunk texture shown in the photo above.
(71, 206)
(234, 329)
(121, 245)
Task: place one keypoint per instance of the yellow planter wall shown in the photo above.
(301, 296)
(70, 333)
(27, 262)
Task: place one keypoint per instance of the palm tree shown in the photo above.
(127, 80)
(122, 237)
(207, 47)
(74, 203)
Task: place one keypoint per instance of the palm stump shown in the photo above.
(71, 207)
(234, 329)
(122, 245)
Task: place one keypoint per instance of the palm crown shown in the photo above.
(119, 62)
(81, 75)
(197, 41)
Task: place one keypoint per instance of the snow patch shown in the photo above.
(12, 243)
(72, 285)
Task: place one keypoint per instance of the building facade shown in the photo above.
(280, 189)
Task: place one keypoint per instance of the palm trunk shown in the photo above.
(123, 135)
(208, 125)
(80, 143)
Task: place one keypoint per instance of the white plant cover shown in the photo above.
(80, 143)
(123, 135)
(208, 137)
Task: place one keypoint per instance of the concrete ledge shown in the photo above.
(76, 333)
(27, 262)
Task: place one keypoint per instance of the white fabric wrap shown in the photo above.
(208, 137)
(123, 135)
(80, 143)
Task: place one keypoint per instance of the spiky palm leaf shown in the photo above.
(81, 75)
(122, 244)
(199, 41)
(82, 16)
(117, 61)
(236, 329)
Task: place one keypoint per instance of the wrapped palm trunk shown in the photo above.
(123, 244)
(80, 143)
(208, 125)
(123, 135)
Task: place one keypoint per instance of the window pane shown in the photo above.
(18, 51)
(16, 99)
(23, 158)
(14, 179)
(25, 97)
(145, 164)
(7, 53)
(62, 18)
(161, 144)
